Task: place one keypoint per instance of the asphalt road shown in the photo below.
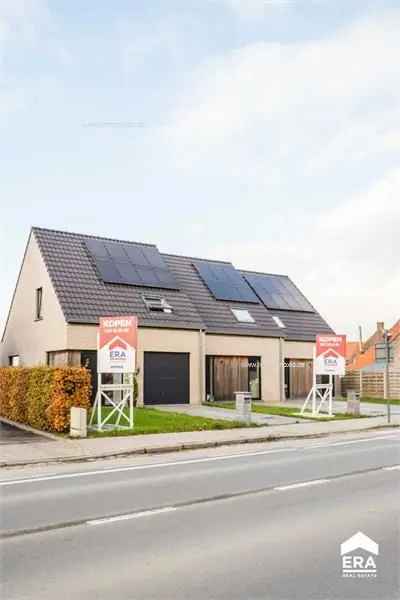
(205, 525)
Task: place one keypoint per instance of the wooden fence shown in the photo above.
(372, 383)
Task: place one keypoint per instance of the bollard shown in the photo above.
(243, 406)
(78, 422)
(353, 403)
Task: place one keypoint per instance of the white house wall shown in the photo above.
(23, 335)
(299, 349)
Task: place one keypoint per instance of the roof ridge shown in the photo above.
(91, 236)
(215, 260)
(263, 273)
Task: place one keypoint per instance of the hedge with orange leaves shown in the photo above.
(42, 396)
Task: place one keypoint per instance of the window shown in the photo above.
(279, 322)
(242, 315)
(39, 298)
(64, 358)
(14, 361)
(157, 304)
(255, 377)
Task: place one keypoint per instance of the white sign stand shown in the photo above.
(321, 391)
(105, 393)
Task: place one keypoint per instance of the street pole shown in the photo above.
(386, 385)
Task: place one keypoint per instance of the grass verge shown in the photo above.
(380, 401)
(151, 420)
(368, 399)
(284, 411)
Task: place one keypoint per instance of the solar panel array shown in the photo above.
(278, 292)
(224, 282)
(130, 264)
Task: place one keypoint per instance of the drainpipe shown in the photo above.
(202, 365)
(281, 371)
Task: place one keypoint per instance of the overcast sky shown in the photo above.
(262, 132)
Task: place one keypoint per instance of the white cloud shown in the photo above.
(350, 80)
(346, 260)
(320, 108)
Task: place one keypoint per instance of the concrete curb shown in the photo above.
(186, 446)
(29, 429)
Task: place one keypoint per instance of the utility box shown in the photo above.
(243, 406)
(353, 403)
(78, 422)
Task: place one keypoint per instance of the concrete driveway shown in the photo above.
(210, 412)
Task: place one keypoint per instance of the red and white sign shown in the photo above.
(330, 355)
(117, 345)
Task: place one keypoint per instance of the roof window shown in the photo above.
(157, 304)
(242, 315)
(279, 321)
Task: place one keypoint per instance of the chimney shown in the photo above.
(380, 326)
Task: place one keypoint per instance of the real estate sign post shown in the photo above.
(329, 359)
(116, 355)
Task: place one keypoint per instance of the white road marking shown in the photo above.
(55, 477)
(394, 468)
(7, 482)
(371, 439)
(292, 486)
(144, 513)
(361, 440)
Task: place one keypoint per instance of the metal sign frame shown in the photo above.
(319, 391)
(105, 392)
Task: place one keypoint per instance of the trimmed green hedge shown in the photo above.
(42, 396)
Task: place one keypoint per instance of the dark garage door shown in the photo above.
(166, 378)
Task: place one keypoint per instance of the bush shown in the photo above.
(42, 396)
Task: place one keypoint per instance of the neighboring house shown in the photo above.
(365, 357)
(395, 343)
(352, 349)
(205, 328)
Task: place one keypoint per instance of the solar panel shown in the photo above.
(278, 292)
(130, 264)
(224, 282)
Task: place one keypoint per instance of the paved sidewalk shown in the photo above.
(69, 450)
(340, 406)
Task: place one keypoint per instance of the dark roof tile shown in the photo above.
(84, 297)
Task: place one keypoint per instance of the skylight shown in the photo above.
(157, 304)
(278, 321)
(242, 315)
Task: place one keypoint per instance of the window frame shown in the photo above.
(39, 303)
(150, 301)
(11, 358)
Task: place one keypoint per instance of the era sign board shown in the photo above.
(117, 344)
(330, 355)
